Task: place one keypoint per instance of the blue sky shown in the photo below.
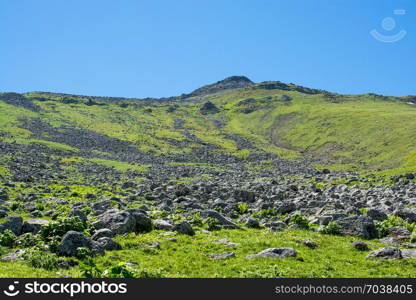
(165, 48)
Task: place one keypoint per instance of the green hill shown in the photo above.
(352, 132)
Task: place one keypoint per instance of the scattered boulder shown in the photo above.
(104, 232)
(73, 240)
(13, 256)
(361, 226)
(33, 225)
(107, 243)
(274, 253)
(377, 214)
(222, 255)
(409, 253)
(162, 225)
(209, 108)
(252, 223)
(309, 243)
(118, 222)
(359, 245)
(14, 224)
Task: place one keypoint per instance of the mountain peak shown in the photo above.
(229, 83)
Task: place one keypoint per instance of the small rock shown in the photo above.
(222, 255)
(184, 227)
(252, 223)
(309, 243)
(33, 225)
(104, 232)
(386, 253)
(359, 245)
(162, 225)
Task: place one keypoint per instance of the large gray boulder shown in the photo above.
(143, 222)
(223, 221)
(14, 224)
(377, 214)
(104, 232)
(118, 222)
(245, 195)
(33, 225)
(386, 253)
(361, 226)
(407, 214)
(73, 240)
(274, 253)
(162, 225)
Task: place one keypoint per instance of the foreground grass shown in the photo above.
(189, 257)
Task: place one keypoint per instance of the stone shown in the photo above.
(359, 245)
(33, 225)
(377, 214)
(119, 222)
(274, 253)
(245, 196)
(162, 225)
(107, 243)
(184, 228)
(104, 232)
(78, 213)
(252, 223)
(223, 221)
(409, 253)
(309, 243)
(361, 226)
(73, 240)
(222, 255)
(13, 256)
(14, 224)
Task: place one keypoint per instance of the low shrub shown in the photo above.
(41, 259)
(332, 228)
(7, 238)
(300, 220)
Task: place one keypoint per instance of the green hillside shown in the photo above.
(358, 132)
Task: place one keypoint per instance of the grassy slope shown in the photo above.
(189, 257)
(363, 131)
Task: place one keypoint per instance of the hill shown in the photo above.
(280, 160)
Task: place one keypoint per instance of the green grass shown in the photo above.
(361, 132)
(189, 257)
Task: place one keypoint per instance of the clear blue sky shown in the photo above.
(164, 48)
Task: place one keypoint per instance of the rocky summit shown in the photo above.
(235, 172)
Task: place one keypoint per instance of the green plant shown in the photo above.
(392, 221)
(41, 259)
(7, 238)
(60, 227)
(242, 208)
(196, 219)
(300, 220)
(212, 224)
(331, 228)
